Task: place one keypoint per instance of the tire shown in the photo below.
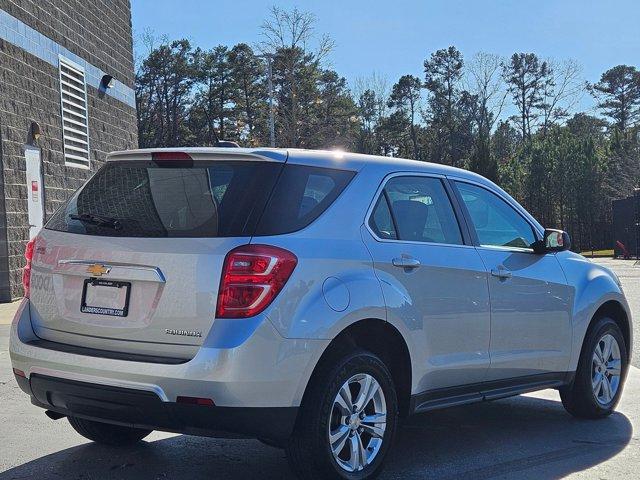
(106, 433)
(309, 450)
(584, 399)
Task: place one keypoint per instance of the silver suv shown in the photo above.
(307, 299)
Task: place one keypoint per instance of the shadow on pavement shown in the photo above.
(518, 438)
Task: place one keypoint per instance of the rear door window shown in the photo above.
(420, 210)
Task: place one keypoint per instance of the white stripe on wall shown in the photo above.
(23, 36)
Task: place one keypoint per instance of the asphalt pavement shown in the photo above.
(629, 273)
(525, 437)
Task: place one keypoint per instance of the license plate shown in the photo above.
(105, 297)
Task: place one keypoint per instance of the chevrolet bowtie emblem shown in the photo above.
(97, 270)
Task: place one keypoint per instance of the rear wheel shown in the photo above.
(347, 421)
(106, 433)
(601, 371)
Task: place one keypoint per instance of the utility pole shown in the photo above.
(272, 123)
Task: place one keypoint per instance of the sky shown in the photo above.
(393, 38)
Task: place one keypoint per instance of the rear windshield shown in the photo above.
(201, 199)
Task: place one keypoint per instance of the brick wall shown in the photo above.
(97, 30)
(29, 91)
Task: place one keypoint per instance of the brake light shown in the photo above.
(155, 156)
(172, 159)
(252, 276)
(26, 272)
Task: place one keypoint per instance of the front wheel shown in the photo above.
(347, 421)
(602, 368)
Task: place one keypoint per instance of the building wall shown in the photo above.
(96, 34)
(625, 213)
(97, 30)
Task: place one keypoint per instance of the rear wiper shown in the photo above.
(97, 220)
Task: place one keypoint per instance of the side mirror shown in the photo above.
(553, 241)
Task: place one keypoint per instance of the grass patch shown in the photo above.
(597, 253)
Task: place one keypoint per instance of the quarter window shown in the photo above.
(381, 221)
(301, 194)
(495, 221)
(419, 209)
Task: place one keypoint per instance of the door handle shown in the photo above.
(501, 272)
(406, 262)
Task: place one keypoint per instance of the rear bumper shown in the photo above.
(265, 371)
(140, 409)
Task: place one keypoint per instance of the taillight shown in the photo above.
(252, 276)
(26, 272)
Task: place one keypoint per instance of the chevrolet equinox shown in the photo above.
(306, 299)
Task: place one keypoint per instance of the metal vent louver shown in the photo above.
(75, 128)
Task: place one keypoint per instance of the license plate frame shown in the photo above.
(102, 310)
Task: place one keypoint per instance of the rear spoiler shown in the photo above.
(201, 153)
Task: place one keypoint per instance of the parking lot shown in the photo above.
(629, 274)
(527, 437)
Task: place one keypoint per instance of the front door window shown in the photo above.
(496, 223)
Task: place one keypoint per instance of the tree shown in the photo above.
(487, 87)
(618, 95)
(526, 77)
(393, 135)
(561, 91)
(367, 112)
(587, 126)
(334, 121)
(564, 166)
(212, 107)
(405, 97)
(505, 143)
(248, 94)
(443, 79)
(163, 94)
(286, 35)
(372, 95)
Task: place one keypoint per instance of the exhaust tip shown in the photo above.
(54, 415)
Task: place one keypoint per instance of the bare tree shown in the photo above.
(487, 86)
(561, 93)
(292, 30)
(145, 43)
(286, 37)
(486, 83)
(379, 85)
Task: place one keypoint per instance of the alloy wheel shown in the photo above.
(357, 424)
(606, 369)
